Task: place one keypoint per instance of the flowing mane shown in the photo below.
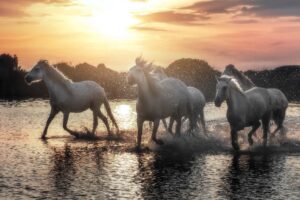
(152, 83)
(233, 82)
(244, 81)
(159, 71)
(56, 75)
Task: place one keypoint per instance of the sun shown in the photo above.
(112, 18)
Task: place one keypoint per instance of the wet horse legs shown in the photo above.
(53, 113)
(254, 128)
(234, 140)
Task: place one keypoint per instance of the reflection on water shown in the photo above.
(188, 168)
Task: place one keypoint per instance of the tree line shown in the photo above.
(194, 72)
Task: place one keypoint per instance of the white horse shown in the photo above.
(244, 108)
(158, 100)
(66, 96)
(279, 101)
(197, 98)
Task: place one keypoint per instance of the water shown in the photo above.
(185, 168)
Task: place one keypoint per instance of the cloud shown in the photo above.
(15, 8)
(11, 12)
(244, 21)
(273, 8)
(260, 8)
(147, 28)
(214, 6)
(173, 17)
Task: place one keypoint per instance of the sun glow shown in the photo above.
(111, 18)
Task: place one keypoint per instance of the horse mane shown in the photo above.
(56, 75)
(245, 82)
(233, 82)
(159, 70)
(146, 66)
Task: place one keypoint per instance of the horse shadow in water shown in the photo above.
(251, 176)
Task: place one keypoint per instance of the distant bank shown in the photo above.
(194, 72)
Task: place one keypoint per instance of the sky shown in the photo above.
(252, 34)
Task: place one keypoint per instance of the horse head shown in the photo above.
(139, 71)
(37, 73)
(224, 83)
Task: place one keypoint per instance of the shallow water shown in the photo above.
(184, 168)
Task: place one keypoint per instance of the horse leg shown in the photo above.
(154, 131)
(150, 124)
(105, 121)
(140, 123)
(95, 121)
(178, 127)
(52, 114)
(254, 128)
(202, 119)
(266, 124)
(165, 124)
(65, 122)
(170, 129)
(234, 140)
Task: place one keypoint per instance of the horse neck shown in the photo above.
(143, 91)
(55, 87)
(235, 99)
(144, 94)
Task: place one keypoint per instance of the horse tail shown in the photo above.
(108, 110)
(278, 116)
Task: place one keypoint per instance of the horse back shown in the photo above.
(259, 101)
(278, 99)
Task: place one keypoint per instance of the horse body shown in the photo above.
(244, 108)
(67, 97)
(158, 99)
(197, 99)
(170, 100)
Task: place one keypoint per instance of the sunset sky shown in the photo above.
(247, 33)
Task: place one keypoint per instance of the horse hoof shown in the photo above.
(250, 142)
(43, 138)
(138, 149)
(236, 148)
(159, 142)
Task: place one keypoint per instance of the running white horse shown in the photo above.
(158, 100)
(279, 101)
(198, 100)
(244, 108)
(66, 96)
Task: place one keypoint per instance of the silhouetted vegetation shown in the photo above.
(194, 72)
(285, 78)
